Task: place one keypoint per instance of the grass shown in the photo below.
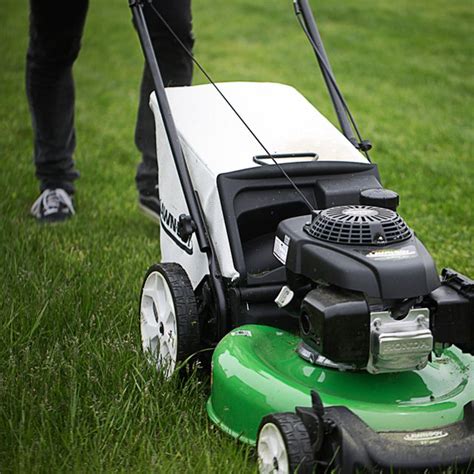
(75, 393)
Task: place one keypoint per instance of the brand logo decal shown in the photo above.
(169, 223)
(241, 332)
(426, 437)
(407, 346)
(393, 254)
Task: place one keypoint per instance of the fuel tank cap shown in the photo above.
(380, 198)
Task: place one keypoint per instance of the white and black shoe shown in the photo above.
(150, 205)
(53, 205)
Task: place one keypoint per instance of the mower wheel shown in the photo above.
(169, 319)
(284, 445)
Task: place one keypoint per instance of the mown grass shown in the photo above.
(75, 393)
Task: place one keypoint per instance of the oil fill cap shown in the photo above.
(380, 198)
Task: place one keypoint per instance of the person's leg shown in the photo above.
(56, 28)
(177, 70)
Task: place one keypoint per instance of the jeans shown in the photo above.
(56, 28)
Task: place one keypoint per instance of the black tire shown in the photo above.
(296, 439)
(185, 309)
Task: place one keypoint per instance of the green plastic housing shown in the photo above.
(256, 371)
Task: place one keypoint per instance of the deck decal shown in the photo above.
(169, 223)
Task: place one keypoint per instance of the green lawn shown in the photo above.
(75, 393)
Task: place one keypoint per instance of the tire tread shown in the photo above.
(296, 438)
(187, 316)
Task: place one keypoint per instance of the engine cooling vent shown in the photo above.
(359, 225)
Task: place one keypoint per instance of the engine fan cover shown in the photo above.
(359, 225)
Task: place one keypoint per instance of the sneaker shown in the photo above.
(54, 205)
(150, 205)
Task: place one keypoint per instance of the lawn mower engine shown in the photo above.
(366, 291)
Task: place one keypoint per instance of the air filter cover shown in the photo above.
(358, 225)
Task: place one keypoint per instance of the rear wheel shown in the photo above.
(284, 445)
(169, 320)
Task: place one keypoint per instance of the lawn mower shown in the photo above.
(336, 344)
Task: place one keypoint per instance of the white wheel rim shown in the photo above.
(271, 449)
(158, 323)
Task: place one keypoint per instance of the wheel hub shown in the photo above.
(158, 322)
(272, 454)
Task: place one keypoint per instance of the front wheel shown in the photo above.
(284, 445)
(169, 321)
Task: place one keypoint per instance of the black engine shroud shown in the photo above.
(345, 262)
(398, 270)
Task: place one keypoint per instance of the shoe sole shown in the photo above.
(56, 219)
(149, 213)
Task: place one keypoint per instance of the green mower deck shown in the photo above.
(256, 371)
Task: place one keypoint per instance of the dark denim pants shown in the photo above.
(56, 28)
